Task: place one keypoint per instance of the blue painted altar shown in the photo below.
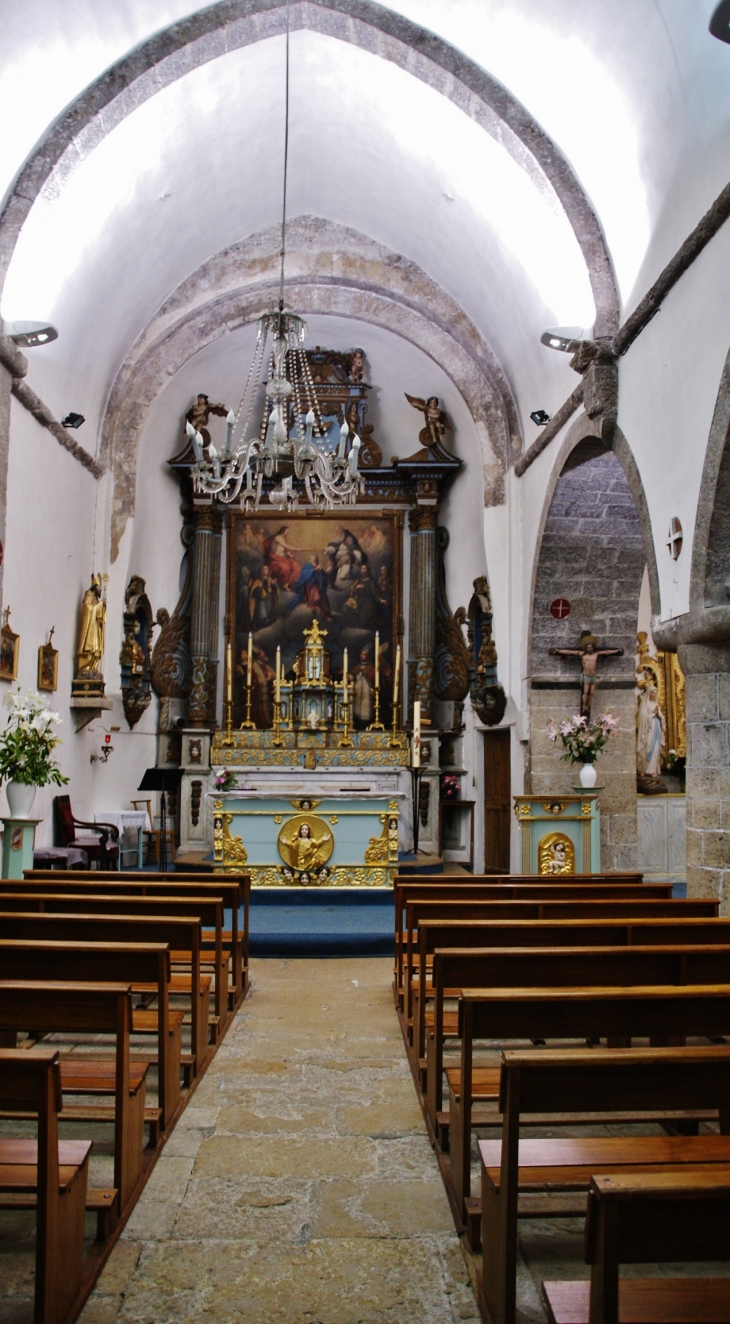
(559, 834)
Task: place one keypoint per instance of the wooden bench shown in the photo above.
(556, 968)
(47, 1175)
(471, 891)
(621, 1079)
(233, 889)
(181, 933)
(89, 1009)
(527, 913)
(555, 933)
(208, 910)
(576, 1013)
(642, 1218)
(95, 962)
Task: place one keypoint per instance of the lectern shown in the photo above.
(162, 780)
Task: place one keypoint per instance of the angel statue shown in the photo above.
(433, 435)
(199, 415)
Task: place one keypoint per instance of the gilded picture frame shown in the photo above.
(9, 650)
(47, 668)
(285, 570)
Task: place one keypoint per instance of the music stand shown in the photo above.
(163, 780)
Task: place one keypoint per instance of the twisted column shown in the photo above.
(422, 609)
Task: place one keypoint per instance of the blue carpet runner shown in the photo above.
(335, 922)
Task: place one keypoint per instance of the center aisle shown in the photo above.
(299, 1186)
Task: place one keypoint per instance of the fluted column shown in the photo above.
(204, 616)
(422, 608)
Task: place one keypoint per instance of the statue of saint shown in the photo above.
(91, 632)
(304, 852)
(650, 736)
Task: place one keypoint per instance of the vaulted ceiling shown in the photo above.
(508, 164)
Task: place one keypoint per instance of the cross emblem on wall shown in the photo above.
(560, 608)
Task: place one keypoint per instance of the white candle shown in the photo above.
(344, 676)
(397, 675)
(377, 660)
(229, 679)
(249, 668)
(277, 694)
(417, 734)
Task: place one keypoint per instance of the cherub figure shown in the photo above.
(433, 435)
(589, 653)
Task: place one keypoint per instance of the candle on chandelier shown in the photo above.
(417, 734)
(249, 661)
(229, 678)
(396, 677)
(377, 660)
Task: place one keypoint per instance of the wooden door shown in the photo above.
(497, 799)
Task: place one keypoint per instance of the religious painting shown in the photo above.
(284, 572)
(48, 667)
(9, 649)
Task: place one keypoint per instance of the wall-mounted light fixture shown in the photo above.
(107, 748)
(720, 22)
(73, 420)
(540, 417)
(564, 338)
(29, 334)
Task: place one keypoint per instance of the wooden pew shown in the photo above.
(96, 962)
(577, 967)
(551, 1082)
(558, 933)
(575, 1013)
(89, 1009)
(642, 1218)
(418, 912)
(469, 891)
(205, 909)
(180, 932)
(49, 1175)
(234, 890)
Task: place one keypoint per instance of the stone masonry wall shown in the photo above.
(592, 553)
(708, 771)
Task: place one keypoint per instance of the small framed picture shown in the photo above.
(9, 649)
(47, 667)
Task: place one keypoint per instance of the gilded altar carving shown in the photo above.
(343, 875)
(377, 850)
(555, 854)
(305, 843)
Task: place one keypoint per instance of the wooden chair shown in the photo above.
(103, 848)
(644, 1218)
(154, 834)
(46, 1175)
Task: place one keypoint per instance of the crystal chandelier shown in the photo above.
(292, 439)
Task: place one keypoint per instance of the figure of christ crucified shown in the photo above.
(589, 653)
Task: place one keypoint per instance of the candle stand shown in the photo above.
(416, 774)
(228, 737)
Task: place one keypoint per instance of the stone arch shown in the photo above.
(592, 550)
(333, 270)
(710, 573)
(231, 24)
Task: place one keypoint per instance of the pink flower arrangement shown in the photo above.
(582, 742)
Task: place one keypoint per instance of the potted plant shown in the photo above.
(26, 750)
(583, 742)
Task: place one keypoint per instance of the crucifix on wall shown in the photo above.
(589, 653)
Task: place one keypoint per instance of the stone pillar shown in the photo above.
(204, 616)
(422, 609)
(707, 678)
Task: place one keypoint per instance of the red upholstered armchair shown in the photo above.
(104, 847)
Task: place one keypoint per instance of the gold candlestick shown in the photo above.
(248, 725)
(228, 737)
(394, 741)
(377, 725)
(345, 741)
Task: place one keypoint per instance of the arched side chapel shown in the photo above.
(434, 315)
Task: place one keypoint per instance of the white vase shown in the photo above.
(20, 798)
(588, 775)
